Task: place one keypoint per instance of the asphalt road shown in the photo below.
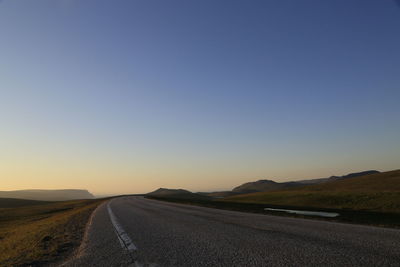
(169, 234)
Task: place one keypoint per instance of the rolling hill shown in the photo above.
(269, 185)
(48, 195)
(263, 185)
(335, 178)
(377, 192)
(176, 194)
(378, 182)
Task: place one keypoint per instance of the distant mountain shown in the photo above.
(269, 185)
(356, 174)
(175, 193)
(371, 181)
(253, 187)
(335, 178)
(48, 195)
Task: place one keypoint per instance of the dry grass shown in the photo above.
(16, 202)
(380, 182)
(376, 192)
(379, 201)
(43, 234)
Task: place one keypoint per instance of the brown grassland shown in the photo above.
(377, 192)
(42, 234)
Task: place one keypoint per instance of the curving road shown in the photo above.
(134, 231)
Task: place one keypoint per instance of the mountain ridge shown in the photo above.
(265, 185)
(48, 194)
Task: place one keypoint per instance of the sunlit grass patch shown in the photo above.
(36, 235)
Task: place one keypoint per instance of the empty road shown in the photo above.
(134, 231)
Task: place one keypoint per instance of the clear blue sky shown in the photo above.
(128, 95)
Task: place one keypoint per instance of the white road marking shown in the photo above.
(306, 212)
(124, 239)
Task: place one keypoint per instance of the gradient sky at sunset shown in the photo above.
(125, 96)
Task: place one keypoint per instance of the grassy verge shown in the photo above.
(366, 201)
(42, 234)
(384, 219)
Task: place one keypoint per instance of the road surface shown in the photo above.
(134, 231)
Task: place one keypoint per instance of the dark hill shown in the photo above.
(369, 182)
(371, 192)
(261, 186)
(269, 185)
(334, 178)
(175, 193)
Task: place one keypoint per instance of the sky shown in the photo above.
(126, 96)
